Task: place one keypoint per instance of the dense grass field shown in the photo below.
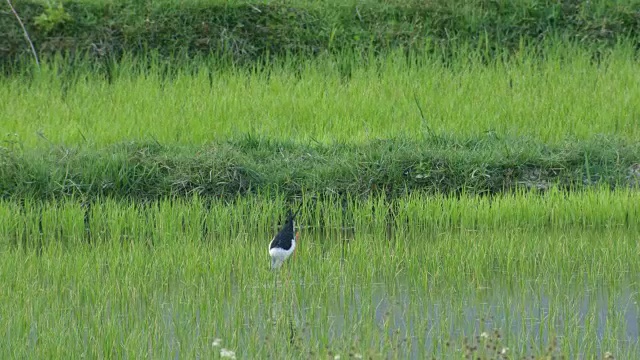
(412, 278)
(477, 205)
(564, 95)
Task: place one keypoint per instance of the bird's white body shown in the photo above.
(279, 255)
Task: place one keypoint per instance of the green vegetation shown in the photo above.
(67, 222)
(324, 126)
(377, 278)
(247, 31)
(254, 165)
(562, 97)
(468, 173)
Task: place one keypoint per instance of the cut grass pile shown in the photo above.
(411, 278)
(564, 96)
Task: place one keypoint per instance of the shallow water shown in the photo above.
(584, 315)
(407, 296)
(526, 317)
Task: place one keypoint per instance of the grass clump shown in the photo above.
(251, 165)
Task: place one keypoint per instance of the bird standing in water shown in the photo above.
(284, 243)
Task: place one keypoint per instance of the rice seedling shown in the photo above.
(502, 277)
(566, 95)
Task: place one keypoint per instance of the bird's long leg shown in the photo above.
(275, 301)
(293, 297)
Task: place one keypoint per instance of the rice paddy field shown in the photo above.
(417, 277)
(334, 99)
(538, 273)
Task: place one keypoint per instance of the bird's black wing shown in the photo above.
(283, 239)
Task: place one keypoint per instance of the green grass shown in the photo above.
(565, 96)
(138, 199)
(595, 4)
(151, 282)
(248, 31)
(416, 214)
(255, 165)
(305, 3)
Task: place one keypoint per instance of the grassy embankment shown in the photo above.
(247, 31)
(167, 279)
(306, 126)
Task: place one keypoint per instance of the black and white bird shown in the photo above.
(284, 243)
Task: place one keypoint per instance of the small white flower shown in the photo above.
(337, 357)
(504, 351)
(357, 356)
(228, 354)
(216, 342)
(484, 335)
